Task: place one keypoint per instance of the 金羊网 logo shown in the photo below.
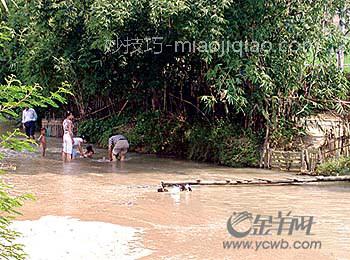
(242, 224)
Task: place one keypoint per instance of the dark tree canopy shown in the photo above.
(276, 60)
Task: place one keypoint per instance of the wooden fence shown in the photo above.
(54, 127)
(328, 137)
(307, 159)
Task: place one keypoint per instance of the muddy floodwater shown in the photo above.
(123, 202)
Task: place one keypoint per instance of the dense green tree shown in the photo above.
(278, 64)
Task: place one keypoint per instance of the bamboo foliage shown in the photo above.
(267, 91)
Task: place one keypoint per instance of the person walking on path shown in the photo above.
(118, 145)
(68, 141)
(29, 118)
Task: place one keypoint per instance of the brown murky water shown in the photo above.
(180, 225)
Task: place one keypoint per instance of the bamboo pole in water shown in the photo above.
(260, 181)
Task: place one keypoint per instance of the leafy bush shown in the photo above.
(224, 144)
(167, 134)
(239, 152)
(150, 132)
(159, 133)
(98, 131)
(200, 143)
(339, 166)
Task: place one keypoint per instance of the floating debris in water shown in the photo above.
(175, 188)
(188, 187)
(162, 189)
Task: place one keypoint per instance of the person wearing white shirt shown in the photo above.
(29, 118)
(68, 141)
(78, 145)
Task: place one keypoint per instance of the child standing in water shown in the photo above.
(42, 141)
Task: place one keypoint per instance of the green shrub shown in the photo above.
(200, 144)
(239, 152)
(168, 134)
(339, 166)
(224, 144)
(99, 131)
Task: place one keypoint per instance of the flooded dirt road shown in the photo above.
(187, 225)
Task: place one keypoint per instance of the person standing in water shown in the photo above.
(29, 118)
(118, 145)
(42, 141)
(68, 141)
